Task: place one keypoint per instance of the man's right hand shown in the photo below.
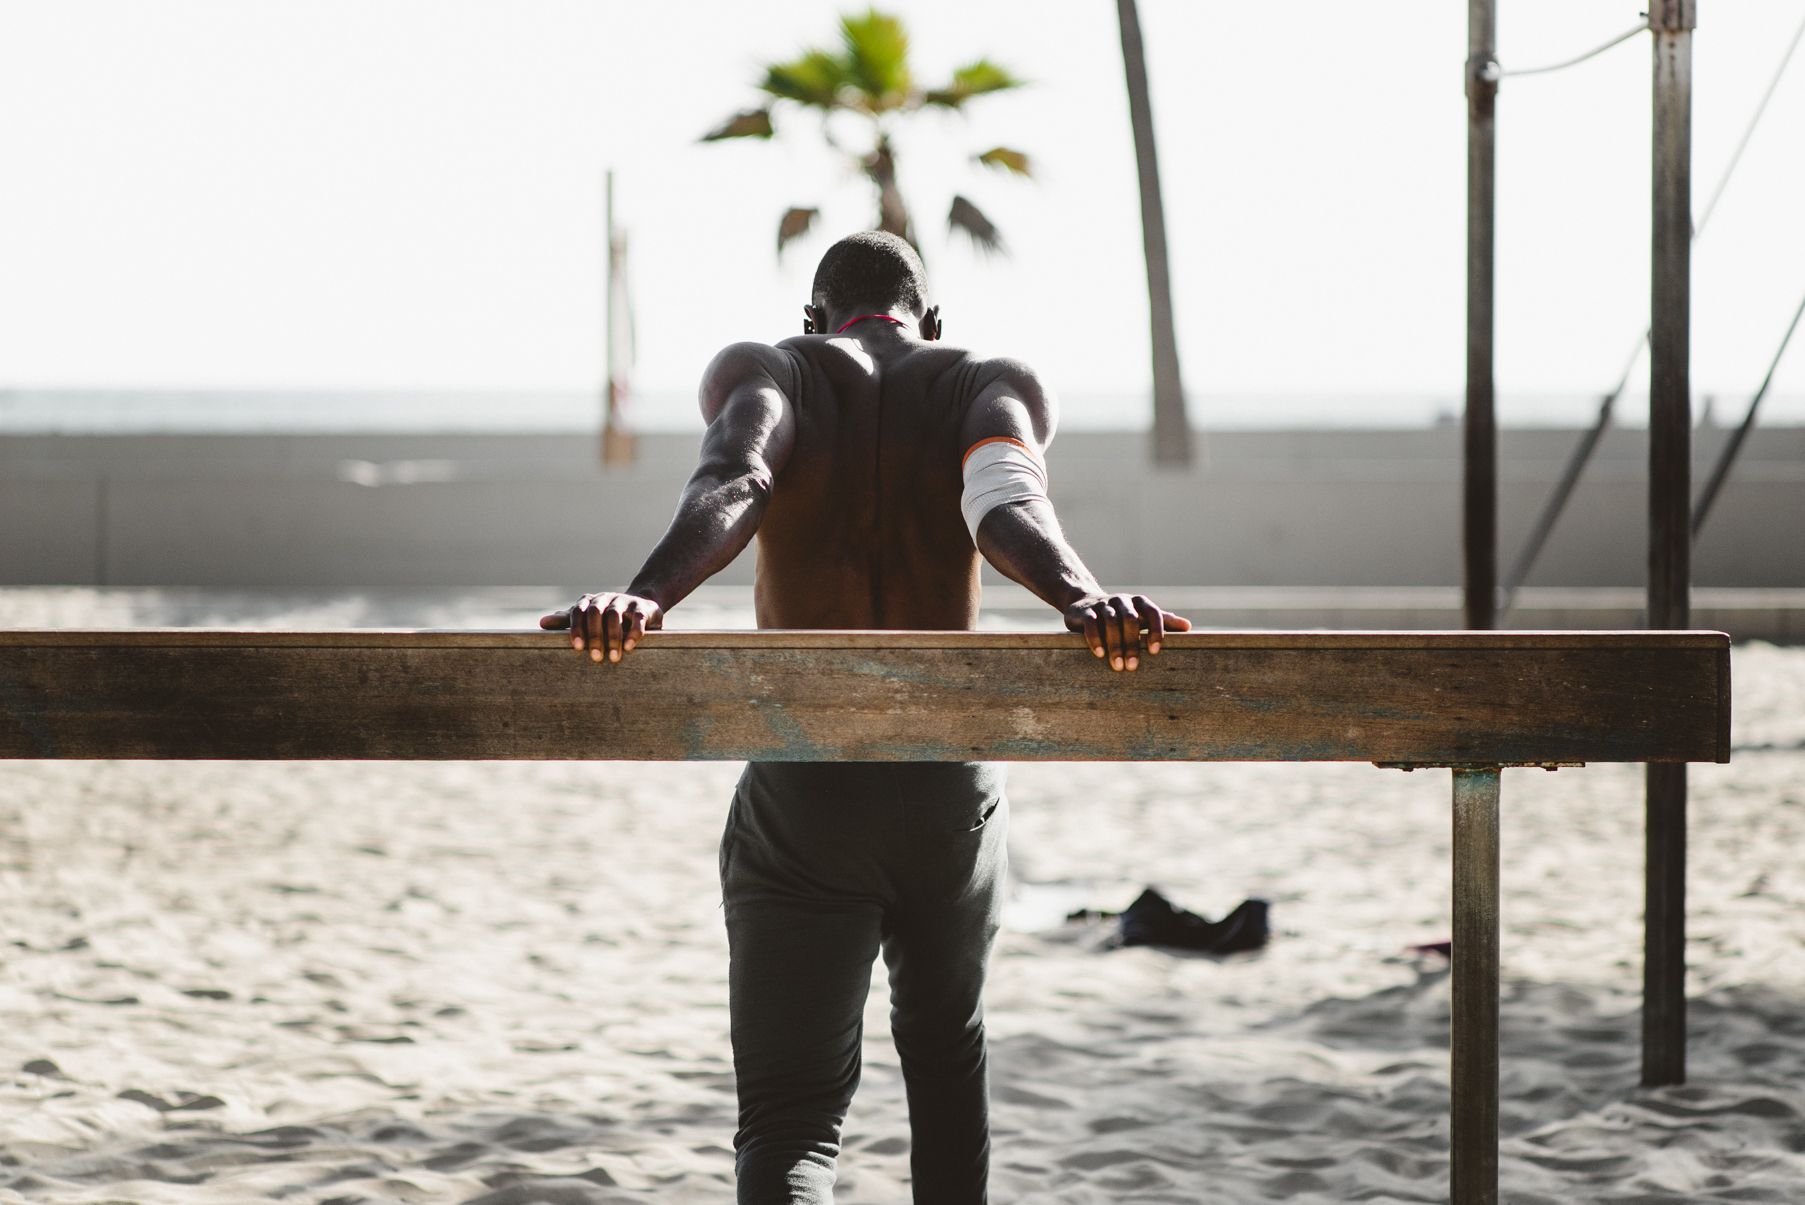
(608, 624)
(1112, 625)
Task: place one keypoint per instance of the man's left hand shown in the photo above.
(1113, 623)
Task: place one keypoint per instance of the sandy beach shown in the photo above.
(338, 983)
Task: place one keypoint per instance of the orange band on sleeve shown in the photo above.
(997, 439)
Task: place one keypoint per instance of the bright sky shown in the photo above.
(407, 195)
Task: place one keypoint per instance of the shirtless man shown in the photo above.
(874, 464)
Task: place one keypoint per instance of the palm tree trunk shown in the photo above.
(1171, 429)
(892, 210)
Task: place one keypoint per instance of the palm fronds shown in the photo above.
(969, 219)
(795, 223)
(977, 78)
(1005, 159)
(877, 60)
(868, 74)
(753, 123)
(817, 79)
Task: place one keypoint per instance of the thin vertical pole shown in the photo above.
(608, 399)
(1670, 525)
(1479, 504)
(617, 441)
(1474, 1039)
(1171, 426)
(102, 517)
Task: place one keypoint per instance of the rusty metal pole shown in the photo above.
(1669, 524)
(1479, 499)
(1473, 1040)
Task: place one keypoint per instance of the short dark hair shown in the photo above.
(871, 268)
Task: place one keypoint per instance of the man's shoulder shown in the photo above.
(1006, 368)
(1005, 376)
(978, 377)
(737, 361)
(739, 364)
(752, 354)
(1006, 397)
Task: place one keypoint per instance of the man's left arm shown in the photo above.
(745, 398)
(1006, 433)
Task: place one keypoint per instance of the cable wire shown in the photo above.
(1621, 38)
(1749, 132)
(1551, 511)
(1721, 471)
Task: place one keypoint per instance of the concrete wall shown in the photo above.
(1290, 508)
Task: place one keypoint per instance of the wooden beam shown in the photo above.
(1471, 700)
(1409, 698)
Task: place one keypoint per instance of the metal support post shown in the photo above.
(1479, 502)
(1669, 527)
(1474, 1038)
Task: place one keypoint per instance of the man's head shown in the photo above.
(868, 272)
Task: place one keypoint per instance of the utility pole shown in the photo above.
(1479, 500)
(617, 441)
(1473, 1069)
(1171, 427)
(1669, 523)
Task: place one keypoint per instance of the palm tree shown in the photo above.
(1171, 429)
(869, 77)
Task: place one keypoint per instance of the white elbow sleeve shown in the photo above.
(998, 471)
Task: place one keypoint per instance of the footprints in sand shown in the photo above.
(180, 1102)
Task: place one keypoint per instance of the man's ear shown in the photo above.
(930, 324)
(808, 320)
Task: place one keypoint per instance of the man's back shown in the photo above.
(872, 465)
(863, 529)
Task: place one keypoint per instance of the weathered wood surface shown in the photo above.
(1422, 698)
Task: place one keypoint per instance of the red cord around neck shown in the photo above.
(862, 317)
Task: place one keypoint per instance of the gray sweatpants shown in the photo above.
(823, 866)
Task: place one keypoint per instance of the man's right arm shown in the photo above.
(1022, 537)
(745, 399)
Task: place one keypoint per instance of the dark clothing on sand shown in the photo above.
(823, 866)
